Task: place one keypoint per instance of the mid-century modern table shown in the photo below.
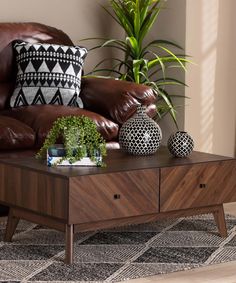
(131, 189)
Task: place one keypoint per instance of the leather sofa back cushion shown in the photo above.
(15, 134)
(41, 117)
(115, 99)
(29, 32)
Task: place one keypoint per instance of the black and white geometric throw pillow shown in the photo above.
(48, 74)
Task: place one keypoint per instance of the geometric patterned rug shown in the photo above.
(136, 251)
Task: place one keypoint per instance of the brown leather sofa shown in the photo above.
(23, 129)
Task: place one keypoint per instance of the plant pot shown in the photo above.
(57, 152)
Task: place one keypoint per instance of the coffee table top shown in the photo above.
(116, 161)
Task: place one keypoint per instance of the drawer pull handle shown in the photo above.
(202, 186)
(116, 196)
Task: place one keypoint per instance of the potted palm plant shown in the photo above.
(143, 63)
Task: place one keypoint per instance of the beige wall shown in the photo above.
(78, 18)
(206, 27)
(171, 25)
(210, 39)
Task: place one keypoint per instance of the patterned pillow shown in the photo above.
(48, 74)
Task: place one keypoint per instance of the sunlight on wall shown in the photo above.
(207, 100)
(210, 40)
(210, 10)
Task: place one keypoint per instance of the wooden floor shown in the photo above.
(218, 273)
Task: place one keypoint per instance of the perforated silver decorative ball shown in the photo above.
(140, 135)
(180, 144)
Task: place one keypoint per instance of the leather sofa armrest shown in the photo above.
(41, 117)
(114, 99)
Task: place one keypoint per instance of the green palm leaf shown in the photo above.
(149, 21)
(174, 56)
(157, 42)
(167, 79)
(124, 19)
(137, 19)
(164, 95)
(134, 46)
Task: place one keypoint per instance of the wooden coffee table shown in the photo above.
(130, 190)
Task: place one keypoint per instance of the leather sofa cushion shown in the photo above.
(41, 117)
(115, 99)
(15, 134)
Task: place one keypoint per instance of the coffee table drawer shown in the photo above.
(197, 185)
(114, 195)
(33, 191)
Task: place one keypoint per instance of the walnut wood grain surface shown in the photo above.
(34, 191)
(197, 185)
(117, 161)
(113, 195)
(219, 216)
(127, 191)
(34, 217)
(216, 210)
(12, 223)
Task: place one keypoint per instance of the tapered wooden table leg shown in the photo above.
(69, 244)
(219, 216)
(12, 223)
